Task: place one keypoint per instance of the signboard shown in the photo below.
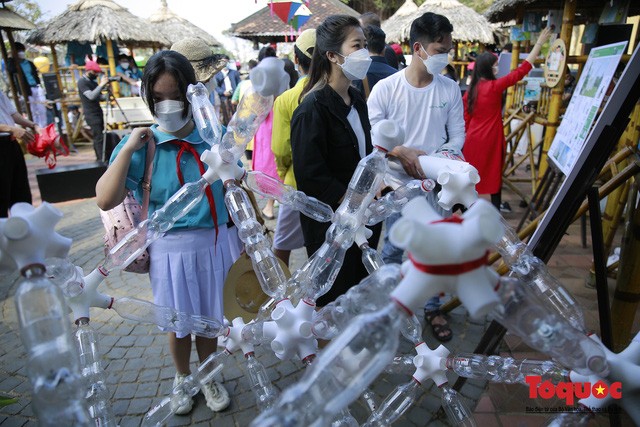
(583, 107)
(556, 60)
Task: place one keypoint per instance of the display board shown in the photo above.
(583, 107)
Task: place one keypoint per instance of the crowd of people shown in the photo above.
(344, 78)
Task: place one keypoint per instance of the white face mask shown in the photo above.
(124, 65)
(435, 63)
(356, 64)
(169, 115)
(22, 55)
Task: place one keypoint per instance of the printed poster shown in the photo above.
(583, 107)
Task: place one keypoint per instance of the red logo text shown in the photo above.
(570, 390)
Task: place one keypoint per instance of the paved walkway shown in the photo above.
(140, 371)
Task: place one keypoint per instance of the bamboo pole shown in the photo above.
(627, 293)
(12, 85)
(555, 103)
(112, 68)
(515, 59)
(25, 90)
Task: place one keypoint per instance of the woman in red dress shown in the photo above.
(484, 145)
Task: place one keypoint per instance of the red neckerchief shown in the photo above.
(185, 146)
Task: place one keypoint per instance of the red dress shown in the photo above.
(484, 144)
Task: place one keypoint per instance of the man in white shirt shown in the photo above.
(428, 106)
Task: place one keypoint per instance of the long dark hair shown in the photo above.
(329, 38)
(483, 69)
(174, 63)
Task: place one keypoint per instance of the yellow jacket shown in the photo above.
(283, 109)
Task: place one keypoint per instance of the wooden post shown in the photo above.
(627, 294)
(112, 68)
(12, 85)
(556, 94)
(25, 90)
(63, 103)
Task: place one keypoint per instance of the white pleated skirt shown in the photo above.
(188, 271)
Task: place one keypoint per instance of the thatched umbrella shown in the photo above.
(10, 21)
(98, 21)
(265, 27)
(175, 28)
(394, 24)
(468, 25)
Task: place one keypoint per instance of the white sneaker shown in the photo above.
(181, 402)
(217, 396)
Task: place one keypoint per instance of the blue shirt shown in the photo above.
(164, 178)
(26, 70)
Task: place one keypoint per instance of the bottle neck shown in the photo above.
(33, 270)
(82, 321)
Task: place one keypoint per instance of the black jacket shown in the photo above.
(324, 146)
(325, 156)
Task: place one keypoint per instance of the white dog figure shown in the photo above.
(447, 255)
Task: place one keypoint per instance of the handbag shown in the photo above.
(45, 145)
(127, 215)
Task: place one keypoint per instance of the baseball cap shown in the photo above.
(306, 41)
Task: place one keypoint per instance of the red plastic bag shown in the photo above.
(46, 145)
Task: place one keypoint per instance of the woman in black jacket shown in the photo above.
(330, 133)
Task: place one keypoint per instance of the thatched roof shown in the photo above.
(175, 28)
(96, 21)
(264, 27)
(586, 10)
(394, 24)
(468, 25)
(12, 21)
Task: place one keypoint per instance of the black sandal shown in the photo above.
(442, 332)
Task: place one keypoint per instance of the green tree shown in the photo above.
(28, 9)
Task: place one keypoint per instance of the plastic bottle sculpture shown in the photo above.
(327, 385)
(625, 371)
(433, 247)
(395, 200)
(318, 274)
(534, 274)
(457, 178)
(525, 315)
(506, 370)
(53, 367)
(209, 127)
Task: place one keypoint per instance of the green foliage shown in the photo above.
(28, 9)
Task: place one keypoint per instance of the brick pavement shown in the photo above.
(140, 370)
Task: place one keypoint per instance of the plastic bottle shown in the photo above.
(52, 362)
(401, 365)
(457, 412)
(395, 404)
(268, 186)
(262, 388)
(93, 374)
(204, 114)
(534, 273)
(332, 382)
(168, 318)
(524, 314)
(64, 275)
(161, 221)
(393, 201)
(270, 274)
(370, 258)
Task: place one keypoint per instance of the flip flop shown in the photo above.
(443, 332)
